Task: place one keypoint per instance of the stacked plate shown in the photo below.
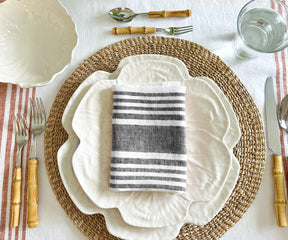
(84, 159)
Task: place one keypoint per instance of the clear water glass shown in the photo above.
(261, 28)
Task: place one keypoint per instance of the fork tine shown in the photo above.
(25, 125)
(182, 32)
(20, 124)
(184, 27)
(32, 106)
(37, 106)
(22, 127)
(16, 124)
(43, 114)
(25, 122)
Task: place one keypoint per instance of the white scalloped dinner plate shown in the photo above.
(199, 212)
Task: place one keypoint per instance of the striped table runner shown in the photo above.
(148, 142)
(13, 100)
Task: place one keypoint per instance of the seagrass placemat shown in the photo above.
(250, 151)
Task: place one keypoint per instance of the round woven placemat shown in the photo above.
(250, 150)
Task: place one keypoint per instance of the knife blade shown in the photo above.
(273, 141)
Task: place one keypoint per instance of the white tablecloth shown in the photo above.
(215, 24)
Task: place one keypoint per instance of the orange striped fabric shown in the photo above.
(13, 100)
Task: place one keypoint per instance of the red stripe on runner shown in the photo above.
(3, 93)
(7, 162)
(284, 71)
(277, 78)
(284, 79)
(25, 179)
(20, 103)
(281, 57)
(14, 164)
(26, 171)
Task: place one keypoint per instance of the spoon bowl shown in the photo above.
(283, 113)
(122, 14)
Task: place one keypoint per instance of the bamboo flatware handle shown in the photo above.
(32, 219)
(16, 199)
(164, 14)
(130, 30)
(280, 200)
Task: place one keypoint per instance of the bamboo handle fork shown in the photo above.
(38, 123)
(22, 136)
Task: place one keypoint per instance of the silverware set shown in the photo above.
(38, 123)
(121, 14)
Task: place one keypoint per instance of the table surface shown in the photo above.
(215, 25)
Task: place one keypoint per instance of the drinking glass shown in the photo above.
(261, 28)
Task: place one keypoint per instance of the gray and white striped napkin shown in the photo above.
(148, 138)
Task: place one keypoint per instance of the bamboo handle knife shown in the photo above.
(32, 220)
(280, 200)
(274, 144)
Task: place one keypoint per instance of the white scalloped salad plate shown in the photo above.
(92, 124)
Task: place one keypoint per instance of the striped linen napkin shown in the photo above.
(148, 138)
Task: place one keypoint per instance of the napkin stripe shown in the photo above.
(149, 98)
(159, 94)
(158, 105)
(149, 161)
(149, 108)
(153, 138)
(142, 122)
(162, 168)
(149, 174)
(174, 179)
(147, 155)
(149, 181)
(143, 170)
(147, 101)
(149, 112)
(148, 186)
(148, 116)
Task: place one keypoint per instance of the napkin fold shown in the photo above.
(148, 138)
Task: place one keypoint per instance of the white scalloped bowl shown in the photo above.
(37, 41)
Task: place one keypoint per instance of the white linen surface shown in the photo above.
(214, 27)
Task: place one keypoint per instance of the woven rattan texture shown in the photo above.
(250, 150)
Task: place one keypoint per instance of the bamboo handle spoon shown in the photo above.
(122, 14)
